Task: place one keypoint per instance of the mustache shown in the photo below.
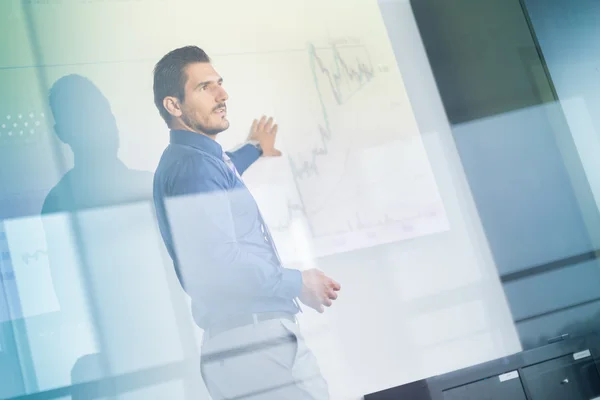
(221, 105)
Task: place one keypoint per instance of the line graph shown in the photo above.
(338, 79)
(292, 210)
(361, 73)
(341, 76)
(341, 167)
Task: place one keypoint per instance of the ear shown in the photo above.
(172, 105)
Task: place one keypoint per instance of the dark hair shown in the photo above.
(170, 76)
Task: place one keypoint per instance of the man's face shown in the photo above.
(203, 108)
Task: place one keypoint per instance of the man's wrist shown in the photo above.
(257, 145)
(291, 283)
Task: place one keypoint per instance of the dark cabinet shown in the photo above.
(504, 387)
(563, 378)
(567, 369)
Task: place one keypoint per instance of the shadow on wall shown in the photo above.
(84, 121)
(99, 180)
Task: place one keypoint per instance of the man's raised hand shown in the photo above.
(265, 132)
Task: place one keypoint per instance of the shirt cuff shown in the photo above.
(291, 283)
(256, 145)
(244, 157)
(249, 150)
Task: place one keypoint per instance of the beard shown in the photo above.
(201, 127)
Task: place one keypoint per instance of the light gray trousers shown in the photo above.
(267, 360)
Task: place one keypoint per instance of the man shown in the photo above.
(223, 252)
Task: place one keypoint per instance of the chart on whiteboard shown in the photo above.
(355, 172)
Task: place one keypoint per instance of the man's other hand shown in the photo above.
(318, 290)
(265, 132)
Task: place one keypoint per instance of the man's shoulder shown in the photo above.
(191, 169)
(176, 158)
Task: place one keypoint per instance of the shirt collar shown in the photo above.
(198, 141)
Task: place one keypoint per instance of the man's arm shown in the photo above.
(211, 259)
(244, 157)
(262, 134)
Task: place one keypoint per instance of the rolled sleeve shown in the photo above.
(244, 157)
(291, 283)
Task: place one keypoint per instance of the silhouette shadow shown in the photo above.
(84, 121)
(98, 180)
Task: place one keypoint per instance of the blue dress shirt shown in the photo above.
(215, 235)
